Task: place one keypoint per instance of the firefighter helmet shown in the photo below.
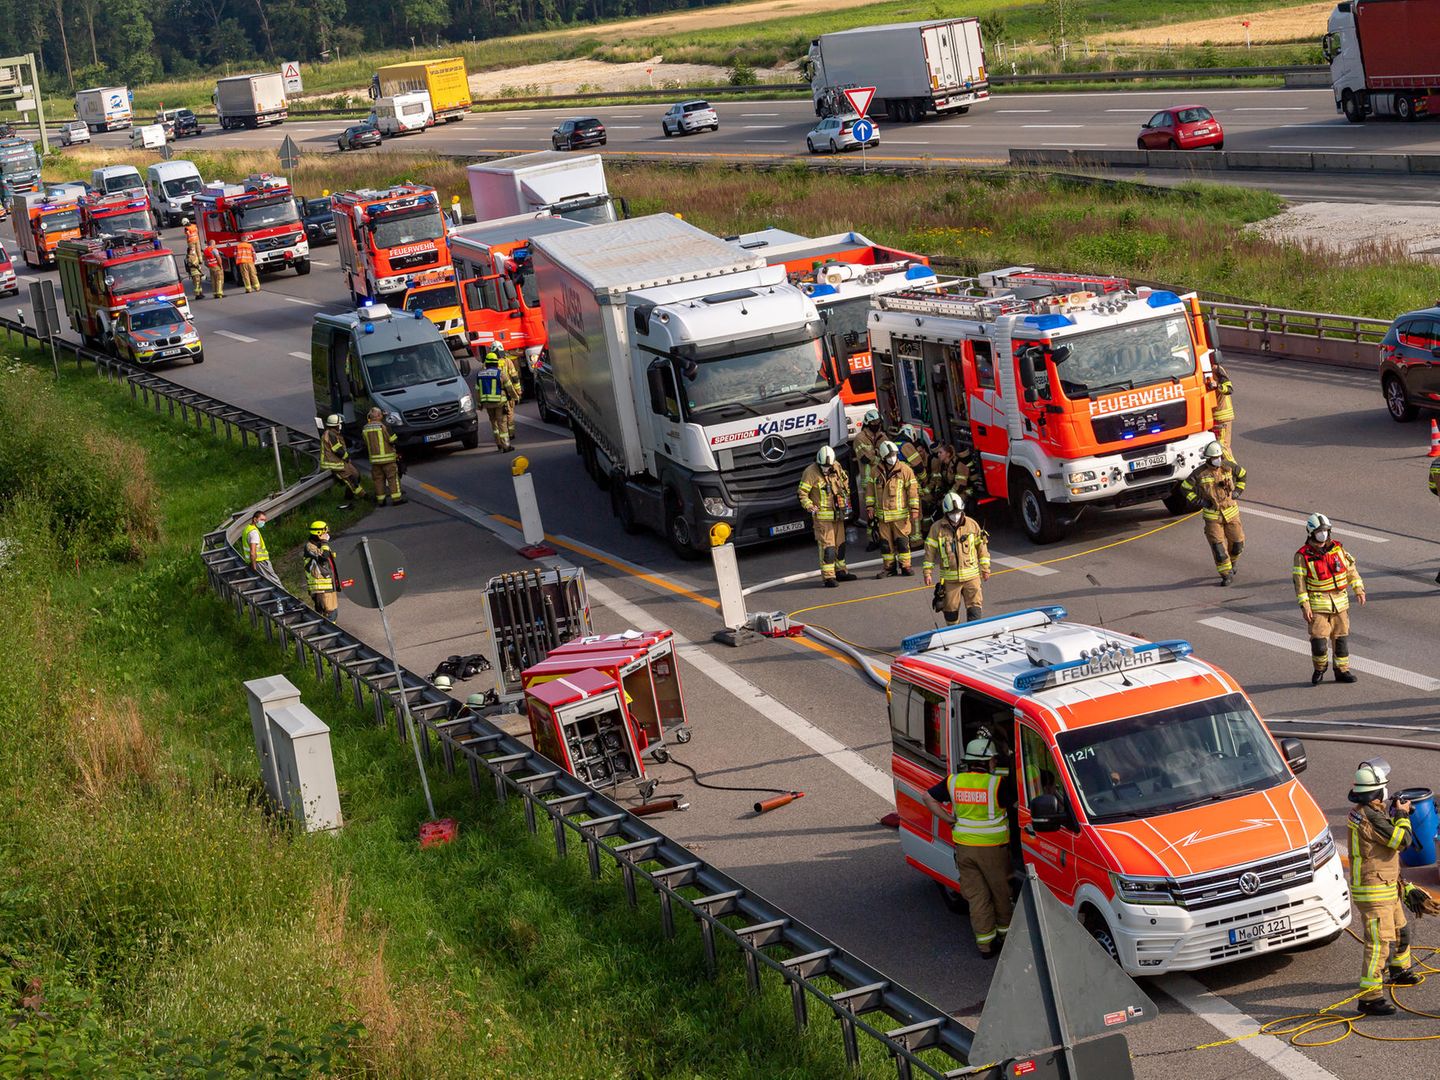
(318, 527)
(825, 457)
(1214, 449)
(475, 701)
(872, 416)
(492, 358)
(981, 748)
(442, 682)
(333, 420)
(1315, 522)
(1371, 778)
(184, 221)
(889, 449)
(908, 433)
(375, 413)
(952, 503)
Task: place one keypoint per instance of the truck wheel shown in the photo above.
(471, 441)
(1100, 930)
(620, 505)
(1175, 502)
(1353, 107)
(952, 899)
(1036, 513)
(679, 533)
(302, 267)
(962, 110)
(1405, 107)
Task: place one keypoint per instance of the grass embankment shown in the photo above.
(155, 921)
(1192, 236)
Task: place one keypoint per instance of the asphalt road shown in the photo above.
(1312, 439)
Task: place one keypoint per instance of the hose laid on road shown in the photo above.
(835, 641)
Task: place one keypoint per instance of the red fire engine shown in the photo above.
(99, 277)
(41, 223)
(111, 215)
(260, 209)
(386, 237)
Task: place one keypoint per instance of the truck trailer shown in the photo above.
(694, 376)
(104, 108)
(547, 182)
(249, 101)
(446, 81)
(916, 68)
(1382, 58)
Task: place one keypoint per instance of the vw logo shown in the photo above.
(772, 449)
(1249, 883)
(434, 413)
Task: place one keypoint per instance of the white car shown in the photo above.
(77, 131)
(689, 116)
(836, 133)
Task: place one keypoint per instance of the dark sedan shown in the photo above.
(575, 134)
(359, 136)
(187, 124)
(318, 219)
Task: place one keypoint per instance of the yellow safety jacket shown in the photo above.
(262, 554)
(1224, 397)
(963, 552)
(379, 443)
(319, 568)
(915, 455)
(1323, 579)
(825, 493)
(894, 494)
(980, 820)
(867, 454)
(333, 452)
(1375, 843)
(1435, 476)
(1216, 489)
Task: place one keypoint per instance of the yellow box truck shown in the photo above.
(446, 81)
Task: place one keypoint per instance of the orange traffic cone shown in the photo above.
(1434, 439)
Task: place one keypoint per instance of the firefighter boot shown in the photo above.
(1320, 655)
(1403, 977)
(1376, 1007)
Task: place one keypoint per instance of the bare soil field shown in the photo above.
(1348, 227)
(569, 76)
(1305, 22)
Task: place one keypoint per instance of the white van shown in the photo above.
(111, 179)
(403, 114)
(148, 137)
(171, 186)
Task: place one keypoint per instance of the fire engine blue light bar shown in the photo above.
(950, 635)
(1106, 663)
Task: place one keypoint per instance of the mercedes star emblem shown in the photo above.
(434, 413)
(772, 449)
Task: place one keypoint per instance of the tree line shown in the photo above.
(97, 42)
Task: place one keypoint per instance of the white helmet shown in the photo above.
(1214, 449)
(889, 449)
(825, 457)
(442, 682)
(1315, 522)
(872, 416)
(908, 432)
(952, 503)
(1371, 778)
(333, 420)
(981, 748)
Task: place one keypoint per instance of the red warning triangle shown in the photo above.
(860, 98)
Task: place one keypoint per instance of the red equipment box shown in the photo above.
(579, 722)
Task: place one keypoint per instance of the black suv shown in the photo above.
(1410, 364)
(574, 134)
(186, 123)
(318, 219)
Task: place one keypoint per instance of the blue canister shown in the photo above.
(1423, 824)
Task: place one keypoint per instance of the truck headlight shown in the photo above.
(1142, 890)
(717, 507)
(467, 404)
(1322, 849)
(1082, 477)
(394, 419)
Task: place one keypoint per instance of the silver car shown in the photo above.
(77, 131)
(836, 133)
(689, 116)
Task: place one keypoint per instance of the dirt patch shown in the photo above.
(1278, 26)
(1343, 227)
(595, 76)
(705, 18)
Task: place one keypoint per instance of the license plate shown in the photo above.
(1149, 461)
(788, 527)
(169, 352)
(438, 436)
(1255, 931)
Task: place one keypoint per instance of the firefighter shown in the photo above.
(1435, 490)
(1224, 417)
(961, 548)
(335, 456)
(1377, 834)
(1324, 574)
(380, 445)
(893, 503)
(825, 496)
(980, 799)
(256, 554)
(216, 266)
(1215, 488)
(497, 396)
(867, 456)
(948, 472)
(245, 265)
(512, 369)
(914, 449)
(192, 234)
(194, 261)
(321, 578)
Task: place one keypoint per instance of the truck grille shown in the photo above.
(434, 414)
(1142, 422)
(752, 477)
(271, 243)
(420, 258)
(1223, 887)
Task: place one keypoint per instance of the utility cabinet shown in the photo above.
(293, 746)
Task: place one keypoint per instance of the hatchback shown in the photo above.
(1410, 364)
(836, 133)
(9, 285)
(358, 136)
(573, 134)
(1185, 127)
(77, 131)
(689, 116)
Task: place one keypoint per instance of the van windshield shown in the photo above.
(185, 185)
(122, 182)
(1124, 357)
(427, 361)
(1158, 763)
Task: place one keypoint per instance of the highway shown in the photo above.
(1312, 438)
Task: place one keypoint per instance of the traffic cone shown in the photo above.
(1434, 439)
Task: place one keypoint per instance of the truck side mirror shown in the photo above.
(1295, 756)
(1025, 363)
(1047, 815)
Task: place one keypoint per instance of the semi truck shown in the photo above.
(446, 81)
(387, 237)
(1382, 58)
(41, 223)
(99, 277)
(547, 182)
(694, 376)
(1073, 391)
(250, 101)
(260, 209)
(916, 68)
(19, 168)
(104, 108)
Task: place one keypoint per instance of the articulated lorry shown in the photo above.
(1382, 56)
(446, 81)
(250, 101)
(916, 68)
(548, 182)
(104, 108)
(694, 376)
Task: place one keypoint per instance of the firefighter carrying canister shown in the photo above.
(1378, 832)
(893, 503)
(322, 580)
(866, 446)
(335, 458)
(380, 447)
(1215, 487)
(825, 496)
(497, 395)
(1324, 574)
(1223, 419)
(960, 549)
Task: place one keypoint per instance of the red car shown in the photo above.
(1185, 127)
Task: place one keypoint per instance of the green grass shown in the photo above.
(155, 921)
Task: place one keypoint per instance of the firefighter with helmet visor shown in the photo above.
(1215, 487)
(893, 504)
(866, 447)
(1324, 574)
(322, 580)
(825, 496)
(961, 550)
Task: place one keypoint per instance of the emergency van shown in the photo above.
(1073, 391)
(1152, 800)
(434, 295)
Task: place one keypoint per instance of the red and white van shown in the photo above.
(1151, 798)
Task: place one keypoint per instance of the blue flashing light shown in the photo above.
(1157, 429)
(921, 641)
(418, 313)
(1128, 435)
(369, 328)
(915, 271)
(1048, 322)
(520, 254)
(1162, 298)
(1107, 663)
(824, 290)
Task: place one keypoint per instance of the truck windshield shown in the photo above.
(1157, 763)
(282, 212)
(428, 361)
(411, 227)
(1124, 357)
(142, 274)
(592, 211)
(185, 185)
(430, 299)
(117, 223)
(65, 219)
(743, 381)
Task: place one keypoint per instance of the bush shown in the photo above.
(742, 75)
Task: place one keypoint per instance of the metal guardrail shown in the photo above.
(1311, 324)
(768, 938)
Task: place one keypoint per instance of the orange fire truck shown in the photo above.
(1074, 391)
(40, 223)
(99, 277)
(111, 215)
(386, 237)
(260, 209)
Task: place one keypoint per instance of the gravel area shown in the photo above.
(1343, 226)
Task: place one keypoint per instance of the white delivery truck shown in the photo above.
(104, 108)
(694, 376)
(548, 182)
(916, 68)
(403, 114)
(171, 186)
(251, 100)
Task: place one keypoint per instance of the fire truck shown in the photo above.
(260, 209)
(386, 237)
(1072, 391)
(435, 296)
(1150, 797)
(100, 276)
(41, 223)
(110, 215)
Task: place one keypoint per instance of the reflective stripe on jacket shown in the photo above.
(212, 256)
(254, 542)
(493, 386)
(962, 552)
(1215, 489)
(379, 443)
(333, 452)
(825, 492)
(1323, 579)
(244, 253)
(1375, 843)
(894, 493)
(980, 820)
(1224, 397)
(319, 568)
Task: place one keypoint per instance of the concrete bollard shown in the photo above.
(530, 525)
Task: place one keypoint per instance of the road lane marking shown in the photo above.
(760, 127)
(1070, 127)
(235, 337)
(624, 127)
(1265, 636)
(1023, 565)
(1270, 108)
(301, 300)
(300, 355)
(1024, 110)
(1299, 523)
(759, 114)
(438, 492)
(1305, 146)
(322, 265)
